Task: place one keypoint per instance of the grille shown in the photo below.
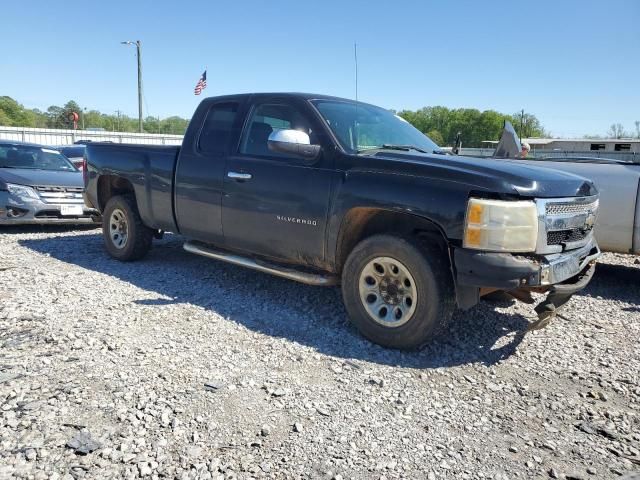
(565, 236)
(61, 195)
(571, 208)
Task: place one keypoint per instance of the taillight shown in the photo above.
(85, 177)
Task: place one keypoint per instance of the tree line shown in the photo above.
(442, 124)
(439, 123)
(13, 114)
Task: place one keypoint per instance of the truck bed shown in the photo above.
(150, 170)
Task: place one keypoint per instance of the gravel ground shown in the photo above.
(183, 367)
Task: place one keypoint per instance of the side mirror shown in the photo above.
(293, 142)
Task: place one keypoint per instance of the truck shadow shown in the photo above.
(311, 316)
(621, 280)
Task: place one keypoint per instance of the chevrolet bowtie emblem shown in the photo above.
(590, 221)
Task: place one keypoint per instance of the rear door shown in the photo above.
(276, 204)
(200, 170)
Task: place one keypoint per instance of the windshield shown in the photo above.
(360, 127)
(35, 158)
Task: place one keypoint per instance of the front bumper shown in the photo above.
(36, 212)
(505, 271)
(560, 275)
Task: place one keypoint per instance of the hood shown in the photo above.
(511, 177)
(44, 178)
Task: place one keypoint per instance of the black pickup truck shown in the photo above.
(329, 191)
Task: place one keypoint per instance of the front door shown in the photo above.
(276, 204)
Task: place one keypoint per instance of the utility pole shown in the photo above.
(138, 44)
(522, 124)
(84, 112)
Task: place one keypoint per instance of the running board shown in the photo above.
(303, 277)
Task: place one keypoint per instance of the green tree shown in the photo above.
(14, 114)
(151, 125)
(436, 136)
(4, 119)
(531, 126)
(54, 117)
(174, 125)
(474, 126)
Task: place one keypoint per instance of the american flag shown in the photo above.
(202, 84)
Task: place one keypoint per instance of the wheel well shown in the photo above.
(361, 222)
(110, 186)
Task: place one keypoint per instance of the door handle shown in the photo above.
(239, 176)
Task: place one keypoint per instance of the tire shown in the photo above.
(429, 279)
(126, 238)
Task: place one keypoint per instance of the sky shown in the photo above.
(573, 64)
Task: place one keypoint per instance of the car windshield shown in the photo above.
(33, 157)
(360, 127)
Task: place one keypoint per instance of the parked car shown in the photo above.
(618, 181)
(39, 185)
(325, 190)
(75, 153)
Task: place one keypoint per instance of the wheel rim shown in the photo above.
(388, 291)
(118, 228)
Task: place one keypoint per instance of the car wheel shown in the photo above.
(397, 291)
(125, 236)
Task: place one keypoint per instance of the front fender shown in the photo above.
(441, 203)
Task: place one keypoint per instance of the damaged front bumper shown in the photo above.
(31, 211)
(559, 274)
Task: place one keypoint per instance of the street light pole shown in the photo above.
(138, 44)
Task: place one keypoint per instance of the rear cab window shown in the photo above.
(218, 127)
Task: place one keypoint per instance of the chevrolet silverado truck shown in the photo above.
(330, 191)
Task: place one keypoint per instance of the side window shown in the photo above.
(218, 125)
(268, 118)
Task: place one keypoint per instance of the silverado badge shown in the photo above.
(302, 221)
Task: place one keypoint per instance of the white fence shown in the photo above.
(49, 136)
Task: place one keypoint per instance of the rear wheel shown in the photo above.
(126, 238)
(397, 291)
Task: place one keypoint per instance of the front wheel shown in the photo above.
(126, 238)
(398, 292)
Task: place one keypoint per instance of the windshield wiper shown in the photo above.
(391, 146)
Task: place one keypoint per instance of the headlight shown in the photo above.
(22, 192)
(501, 226)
